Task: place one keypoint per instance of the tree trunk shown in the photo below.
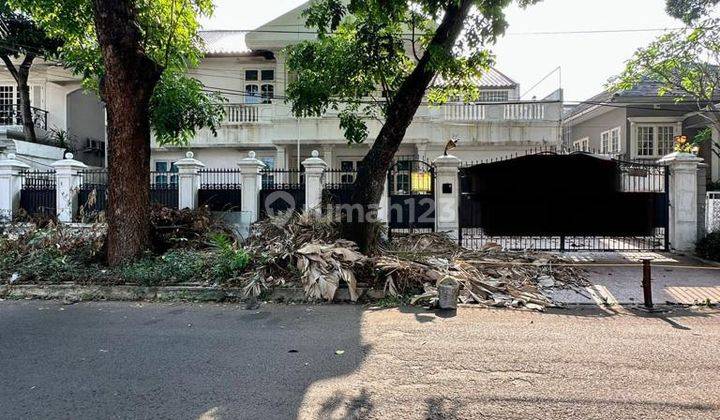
(21, 75)
(126, 88)
(26, 109)
(370, 181)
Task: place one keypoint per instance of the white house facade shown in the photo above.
(249, 69)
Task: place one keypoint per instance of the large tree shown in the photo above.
(378, 59)
(686, 63)
(134, 53)
(22, 39)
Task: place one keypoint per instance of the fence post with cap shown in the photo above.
(67, 186)
(188, 181)
(250, 177)
(314, 168)
(11, 171)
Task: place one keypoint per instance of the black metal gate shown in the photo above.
(411, 197)
(282, 191)
(221, 189)
(565, 202)
(38, 193)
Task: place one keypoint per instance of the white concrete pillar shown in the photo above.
(10, 185)
(447, 195)
(67, 185)
(314, 168)
(250, 177)
(328, 155)
(188, 181)
(683, 190)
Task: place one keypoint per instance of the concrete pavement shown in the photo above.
(129, 360)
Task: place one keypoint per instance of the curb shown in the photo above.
(79, 293)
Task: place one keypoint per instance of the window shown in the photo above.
(610, 141)
(164, 171)
(256, 93)
(582, 145)
(348, 169)
(268, 178)
(494, 96)
(7, 104)
(654, 140)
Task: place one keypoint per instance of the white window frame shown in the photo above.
(655, 122)
(582, 144)
(613, 144)
(260, 86)
(172, 173)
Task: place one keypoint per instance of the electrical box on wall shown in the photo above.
(447, 188)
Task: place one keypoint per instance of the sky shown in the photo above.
(586, 60)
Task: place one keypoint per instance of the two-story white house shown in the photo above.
(249, 69)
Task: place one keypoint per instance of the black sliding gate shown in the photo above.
(411, 197)
(564, 202)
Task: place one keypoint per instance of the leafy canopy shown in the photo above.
(19, 35)
(366, 49)
(170, 39)
(686, 62)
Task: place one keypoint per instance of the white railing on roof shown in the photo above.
(522, 111)
(246, 113)
(712, 210)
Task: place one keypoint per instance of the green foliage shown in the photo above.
(366, 50)
(20, 35)
(685, 61)
(690, 10)
(179, 105)
(170, 35)
(709, 247)
(230, 261)
(177, 266)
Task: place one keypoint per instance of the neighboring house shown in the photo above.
(250, 70)
(61, 107)
(636, 124)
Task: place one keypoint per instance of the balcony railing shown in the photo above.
(247, 113)
(12, 115)
(531, 111)
(521, 111)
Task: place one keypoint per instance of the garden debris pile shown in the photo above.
(308, 250)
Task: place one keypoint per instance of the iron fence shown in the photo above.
(337, 187)
(220, 189)
(38, 193)
(164, 189)
(564, 202)
(282, 190)
(93, 193)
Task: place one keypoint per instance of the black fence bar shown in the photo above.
(11, 114)
(282, 190)
(337, 187)
(220, 189)
(38, 193)
(93, 194)
(164, 189)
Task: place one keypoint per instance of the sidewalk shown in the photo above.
(675, 279)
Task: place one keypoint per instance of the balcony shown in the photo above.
(518, 112)
(11, 115)
(237, 114)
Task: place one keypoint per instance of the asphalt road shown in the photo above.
(191, 361)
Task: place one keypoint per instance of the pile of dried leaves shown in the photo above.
(173, 228)
(307, 249)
